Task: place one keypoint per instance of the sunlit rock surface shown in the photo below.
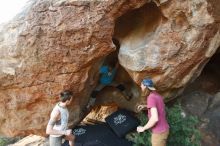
(51, 46)
(32, 140)
(60, 44)
(170, 43)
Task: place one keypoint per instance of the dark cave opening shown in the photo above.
(122, 85)
(133, 31)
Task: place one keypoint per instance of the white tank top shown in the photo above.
(63, 122)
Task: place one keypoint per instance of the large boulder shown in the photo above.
(51, 46)
(60, 44)
(170, 43)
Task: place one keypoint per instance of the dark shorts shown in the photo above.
(120, 87)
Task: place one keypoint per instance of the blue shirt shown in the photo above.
(106, 75)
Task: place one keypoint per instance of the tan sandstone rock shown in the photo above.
(171, 44)
(51, 46)
(32, 140)
(59, 44)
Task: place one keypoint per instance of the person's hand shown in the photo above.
(140, 107)
(140, 129)
(68, 132)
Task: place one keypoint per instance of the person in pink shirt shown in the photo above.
(156, 114)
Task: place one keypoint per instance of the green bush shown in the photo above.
(3, 142)
(183, 129)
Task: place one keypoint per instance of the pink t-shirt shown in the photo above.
(156, 100)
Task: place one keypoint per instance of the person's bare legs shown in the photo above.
(71, 139)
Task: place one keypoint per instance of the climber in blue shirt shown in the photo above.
(107, 74)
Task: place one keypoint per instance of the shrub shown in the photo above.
(183, 129)
(3, 142)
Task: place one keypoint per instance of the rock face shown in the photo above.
(206, 108)
(51, 46)
(170, 43)
(60, 44)
(202, 99)
(32, 140)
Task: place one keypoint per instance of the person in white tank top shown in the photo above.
(57, 125)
